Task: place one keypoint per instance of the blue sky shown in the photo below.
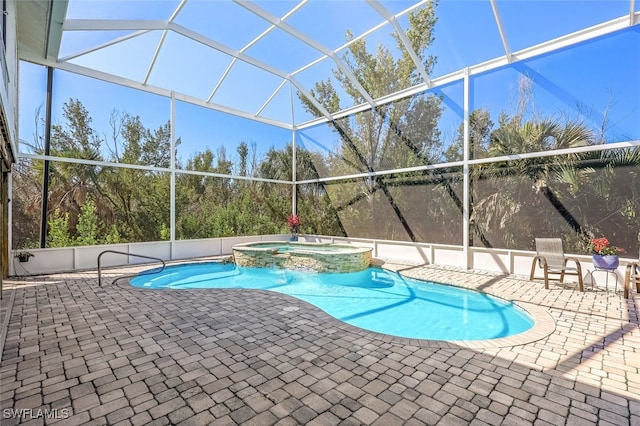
(579, 79)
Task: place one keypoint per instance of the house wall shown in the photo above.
(8, 124)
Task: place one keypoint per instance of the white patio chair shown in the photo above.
(632, 275)
(551, 259)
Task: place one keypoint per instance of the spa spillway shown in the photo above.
(302, 256)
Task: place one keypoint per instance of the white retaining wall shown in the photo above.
(53, 260)
(518, 262)
(515, 262)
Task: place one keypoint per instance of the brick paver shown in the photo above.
(121, 355)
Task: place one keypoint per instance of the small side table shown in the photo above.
(607, 271)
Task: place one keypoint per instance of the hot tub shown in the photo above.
(316, 257)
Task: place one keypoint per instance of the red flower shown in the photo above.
(601, 246)
(294, 222)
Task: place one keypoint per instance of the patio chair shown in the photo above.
(551, 259)
(632, 275)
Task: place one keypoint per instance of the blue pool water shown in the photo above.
(373, 299)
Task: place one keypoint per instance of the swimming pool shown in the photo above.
(373, 299)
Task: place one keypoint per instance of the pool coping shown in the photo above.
(543, 326)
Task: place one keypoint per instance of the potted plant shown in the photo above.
(23, 256)
(605, 256)
(294, 224)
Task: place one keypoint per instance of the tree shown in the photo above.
(71, 184)
(506, 191)
(138, 200)
(480, 128)
(26, 199)
(393, 135)
(243, 152)
(59, 230)
(87, 227)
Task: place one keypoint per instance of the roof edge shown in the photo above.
(56, 18)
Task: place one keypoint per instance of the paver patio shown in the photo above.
(76, 353)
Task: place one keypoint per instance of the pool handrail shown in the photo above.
(153, 271)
